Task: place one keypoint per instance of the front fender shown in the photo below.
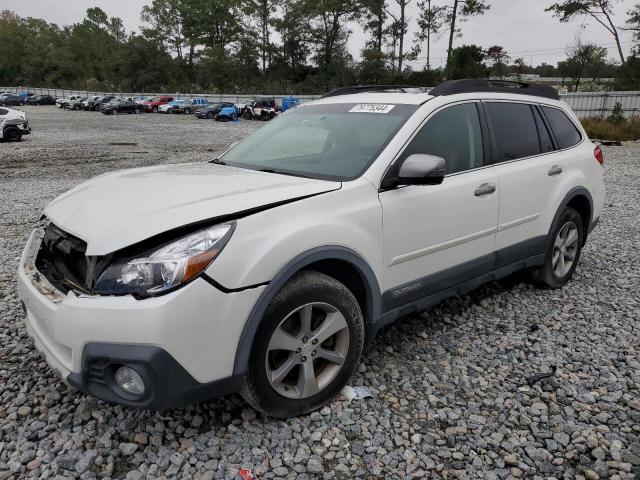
(333, 252)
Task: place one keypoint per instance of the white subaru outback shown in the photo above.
(265, 271)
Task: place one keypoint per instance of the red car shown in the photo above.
(153, 104)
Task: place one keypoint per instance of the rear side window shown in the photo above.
(515, 131)
(453, 134)
(566, 133)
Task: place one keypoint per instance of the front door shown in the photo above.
(436, 236)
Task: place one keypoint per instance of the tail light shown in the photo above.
(597, 152)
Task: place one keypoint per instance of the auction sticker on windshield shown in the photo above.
(371, 108)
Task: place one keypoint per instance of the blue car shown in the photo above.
(227, 114)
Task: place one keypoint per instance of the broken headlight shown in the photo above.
(167, 267)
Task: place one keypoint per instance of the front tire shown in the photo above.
(12, 134)
(563, 251)
(306, 348)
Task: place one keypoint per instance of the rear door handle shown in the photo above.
(555, 170)
(485, 189)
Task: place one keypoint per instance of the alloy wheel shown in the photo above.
(565, 249)
(307, 350)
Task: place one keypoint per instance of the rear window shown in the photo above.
(3, 112)
(566, 133)
(515, 131)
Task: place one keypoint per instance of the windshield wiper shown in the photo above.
(283, 172)
(217, 161)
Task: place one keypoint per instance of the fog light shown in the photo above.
(129, 380)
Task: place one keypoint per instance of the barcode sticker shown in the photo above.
(371, 108)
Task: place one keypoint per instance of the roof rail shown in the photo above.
(373, 88)
(452, 87)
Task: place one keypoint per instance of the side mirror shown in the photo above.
(422, 169)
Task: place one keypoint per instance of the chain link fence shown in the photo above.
(585, 104)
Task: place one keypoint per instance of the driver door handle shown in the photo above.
(485, 189)
(555, 170)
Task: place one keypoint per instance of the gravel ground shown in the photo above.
(454, 390)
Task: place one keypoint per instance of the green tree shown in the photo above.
(460, 9)
(401, 25)
(163, 21)
(328, 30)
(633, 24)
(498, 57)
(600, 10)
(430, 22)
(583, 59)
(467, 62)
(261, 11)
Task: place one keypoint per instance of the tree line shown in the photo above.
(287, 46)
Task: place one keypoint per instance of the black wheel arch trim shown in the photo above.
(334, 252)
(573, 193)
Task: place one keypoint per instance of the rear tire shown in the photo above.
(306, 348)
(187, 111)
(563, 251)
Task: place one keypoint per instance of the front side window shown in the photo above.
(566, 133)
(514, 128)
(330, 141)
(453, 134)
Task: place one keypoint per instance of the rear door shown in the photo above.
(529, 169)
(436, 236)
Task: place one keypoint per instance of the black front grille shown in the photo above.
(62, 260)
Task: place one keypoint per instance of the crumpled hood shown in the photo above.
(119, 209)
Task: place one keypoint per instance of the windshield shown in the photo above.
(333, 142)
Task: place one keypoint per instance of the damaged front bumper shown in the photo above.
(183, 344)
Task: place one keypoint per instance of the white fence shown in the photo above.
(601, 104)
(585, 104)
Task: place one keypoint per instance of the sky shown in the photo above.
(522, 27)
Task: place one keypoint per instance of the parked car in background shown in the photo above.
(102, 102)
(75, 104)
(11, 100)
(13, 125)
(227, 114)
(211, 110)
(61, 102)
(260, 109)
(41, 100)
(154, 103)
(122, 106)
(88, 103)
(171, 106)
(289, 102)
(190, 106)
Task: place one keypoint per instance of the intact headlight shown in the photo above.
(166, 267)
